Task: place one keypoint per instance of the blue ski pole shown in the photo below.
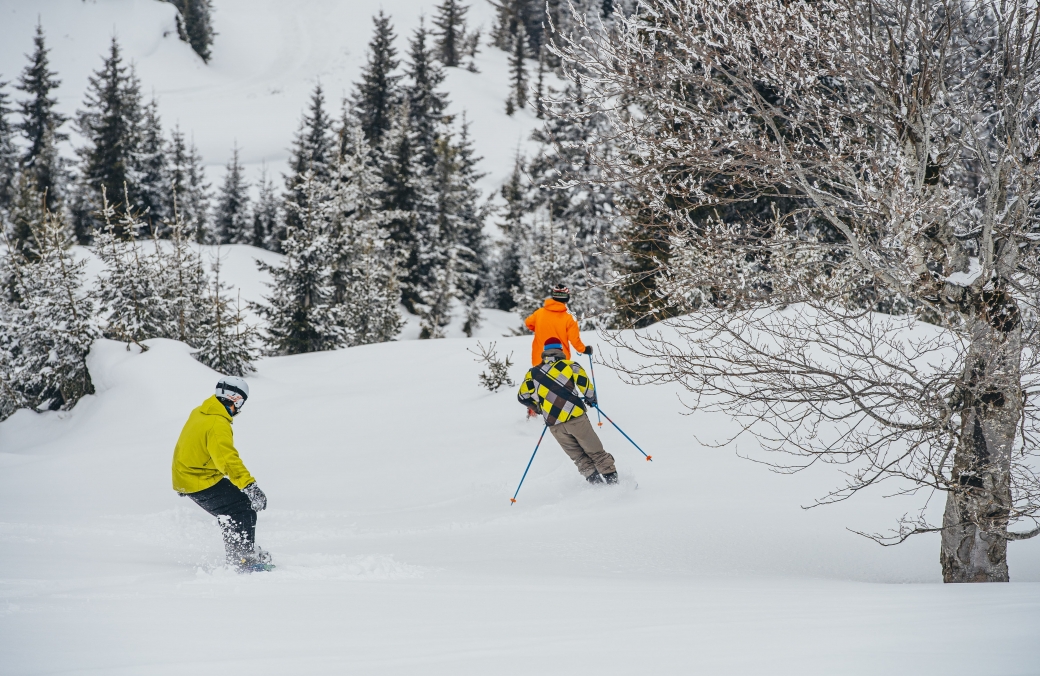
(513, 499)
(592, 370)
(648, 457)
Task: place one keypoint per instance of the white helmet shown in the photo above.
(234, 391)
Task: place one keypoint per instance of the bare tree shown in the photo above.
(851, 194)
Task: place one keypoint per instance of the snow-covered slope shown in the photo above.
(389, 473)
(267, 58)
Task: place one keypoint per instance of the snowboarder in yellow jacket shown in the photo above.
(560, 391)
(207, 468)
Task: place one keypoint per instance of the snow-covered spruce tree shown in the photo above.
(505, 273)
(365, 275)
(426, 104)
(460, 221)
(41, 124)
(517, 72)
(301, 312)
(8, 155)
(129, 289)
(910, 131)
(572, 190)
(312, 156)
(188, 191)
(548, 256)
(376, 96)
(228, 342)
(231, 222)
(450, 21)
(195, 25)
(512, 16)
(266, 215)
(182, 284)
(110, 122)
(407, 196)
(152, 171)
(24, 217)
(48, 324)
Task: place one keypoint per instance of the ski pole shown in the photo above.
(648, 457)
(592, 370)
(513, 499)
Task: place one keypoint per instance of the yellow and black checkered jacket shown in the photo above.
(559, 391)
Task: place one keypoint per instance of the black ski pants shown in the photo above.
(234, 514)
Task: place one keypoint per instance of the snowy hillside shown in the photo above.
(267, 58)
(389, 473)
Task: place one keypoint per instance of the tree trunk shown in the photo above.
(974, 535)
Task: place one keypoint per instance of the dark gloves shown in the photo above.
(257, 499)
(588, 350)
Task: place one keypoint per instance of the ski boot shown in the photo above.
(611, 478)
(595, 478)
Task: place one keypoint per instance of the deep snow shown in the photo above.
(389, 473)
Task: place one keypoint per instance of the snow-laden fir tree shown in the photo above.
(450, 22)
(365, 275)
(8, 155)
(505, 274)
(548, 256)
(188, 191)
(376, 96)
(40, 124)
(231, 217)
(266, 215)
(301, 312)
(110, 123)
(152, 170)
(129, 288)
(311, 158)
(182, 284)
(48, 324)
(426, 104)
(24, 217)
(228, 343)
(460, 220)
(517, 72)
(195, 25)
(571, 188)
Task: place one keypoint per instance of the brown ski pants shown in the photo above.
(580, 442)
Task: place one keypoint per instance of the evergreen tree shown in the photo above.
(376, 96)
(425, 104)
(461, 221)
(25, 217)
(129, 287)
(506, 280)
(451, 32)
(231, 218)
(110, 122)
(266, 215)
(365, 276)
(41, 123)
(8, 156)
(539, 88)
(153, 172)
(301, 312)
(228, 345)
(312, 155)
(548, 257)
(195, 25)
(182, 286)
(518, 69)
(188, 195)
(47, 324)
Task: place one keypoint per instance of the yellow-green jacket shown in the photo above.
(205, 451)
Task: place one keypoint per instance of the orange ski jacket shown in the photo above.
(553, 321)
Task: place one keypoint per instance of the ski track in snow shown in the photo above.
(389, 470)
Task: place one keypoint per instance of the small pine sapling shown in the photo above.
(496, 373)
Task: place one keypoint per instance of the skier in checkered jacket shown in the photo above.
(560, 391)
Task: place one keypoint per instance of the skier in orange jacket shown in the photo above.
(553, 320)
